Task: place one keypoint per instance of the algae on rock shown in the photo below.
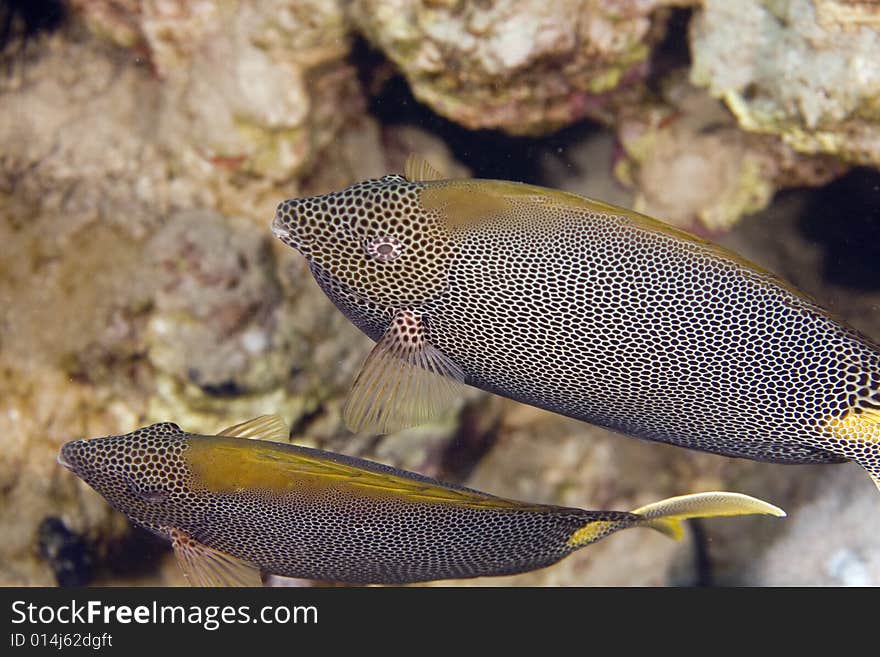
(523, 67)
(805, 70)
(689, 162)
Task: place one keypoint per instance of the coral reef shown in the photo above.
(802, 69)
(689, 162)
(249, 92)
(523, 67)
(144, 146)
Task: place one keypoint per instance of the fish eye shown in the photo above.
(384, 248)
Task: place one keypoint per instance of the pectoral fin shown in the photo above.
(205, 566)
(666, 515)
(404, 382)
(263, 427)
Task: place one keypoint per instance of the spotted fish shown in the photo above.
(240, 503)
(586, 309)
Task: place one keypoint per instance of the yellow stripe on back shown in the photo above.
(226, 465)
(468, 202)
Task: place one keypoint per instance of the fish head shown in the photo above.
(373, 247)
(143, 474)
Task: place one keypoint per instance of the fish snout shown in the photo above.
(288, 226)
(68, 455)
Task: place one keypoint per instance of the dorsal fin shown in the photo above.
(418, 169)
(263, 427)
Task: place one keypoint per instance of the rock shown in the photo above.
(585, 166)
(251, 91)
(217, 320)
(801, 69)
(522, 67)
(691, 164)
(830, 539)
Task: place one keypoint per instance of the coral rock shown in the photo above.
(525, 67)
(802, 69)
(690, 162)
(251, 91)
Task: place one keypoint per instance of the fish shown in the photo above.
(585, 309)
(246, 503)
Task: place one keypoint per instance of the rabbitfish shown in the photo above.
(235, 506)
(586, 309)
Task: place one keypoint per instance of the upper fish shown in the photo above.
(240, 505)
(583, 308)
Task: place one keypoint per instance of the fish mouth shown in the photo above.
(298, 242)
(65, 457)
(279, 230)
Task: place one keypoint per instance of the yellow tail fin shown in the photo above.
(666, 515)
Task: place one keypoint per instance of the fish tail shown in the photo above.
(666, 515)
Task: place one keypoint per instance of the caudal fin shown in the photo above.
(666, 515)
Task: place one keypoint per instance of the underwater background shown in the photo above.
(144, 145)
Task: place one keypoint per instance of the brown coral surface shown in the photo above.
(145, 144)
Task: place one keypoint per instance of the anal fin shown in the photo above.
(404, 382)
(205, 566)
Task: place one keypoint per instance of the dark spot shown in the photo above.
(302, 423)
(222, 389)
(66, 552)
(844, 217)
(21, 20)
(137, 553)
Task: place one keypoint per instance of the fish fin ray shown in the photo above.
(666, 515)
(418, 169)
(263, 427)
(404, 382)
(205, 566)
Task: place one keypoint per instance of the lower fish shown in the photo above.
(245, 503)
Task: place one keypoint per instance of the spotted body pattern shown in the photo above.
(597, 313)
(307, 513)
